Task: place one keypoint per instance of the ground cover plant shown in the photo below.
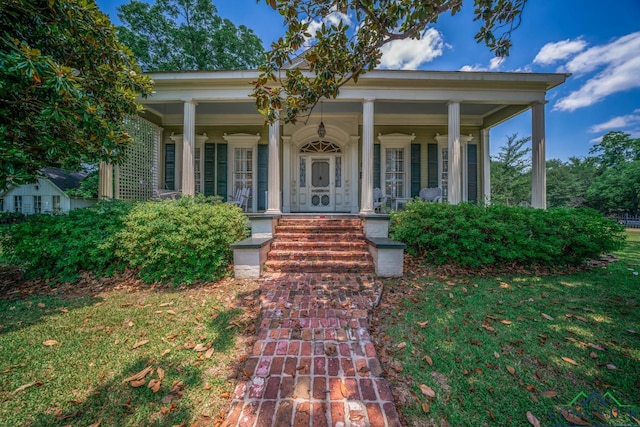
(183, 241)
(69, 352)
(477, 236)
(472, 350)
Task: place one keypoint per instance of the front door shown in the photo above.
(322, 188)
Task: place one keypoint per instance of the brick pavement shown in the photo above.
(314, 363)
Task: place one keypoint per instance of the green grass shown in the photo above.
(478, 327)
(82, 376)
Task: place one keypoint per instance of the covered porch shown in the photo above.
(399, 131)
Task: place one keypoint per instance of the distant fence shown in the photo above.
(628, 221)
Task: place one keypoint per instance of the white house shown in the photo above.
(399, 131)
(47, 195)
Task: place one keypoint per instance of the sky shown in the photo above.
(597, 42)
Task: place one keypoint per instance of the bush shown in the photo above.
(63, 245)
(475, 236)
(184, 240)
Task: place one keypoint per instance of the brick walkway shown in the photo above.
(314, 363)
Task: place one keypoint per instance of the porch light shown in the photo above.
(321, 130)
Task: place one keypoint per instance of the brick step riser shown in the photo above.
(319, 222)
(310, 256)
(322, 269)
(318, 237)
(314, 245)
(318, 230)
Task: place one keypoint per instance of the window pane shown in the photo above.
(395, 172)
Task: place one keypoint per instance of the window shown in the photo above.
(37, 204)
(197, 171)
(56, 204)
(1, 205)
(243, 169)
(395, 172)
(170, 166)
(17, 203)
(444, 177)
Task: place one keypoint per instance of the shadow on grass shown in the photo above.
(22, 313)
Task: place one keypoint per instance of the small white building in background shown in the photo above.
(47, 195)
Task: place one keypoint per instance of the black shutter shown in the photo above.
(472, 172)
(432, 166)
(222, 170)
(415, 169)
(376, 166)
(209, 169)
(170, 166)
(263, 173)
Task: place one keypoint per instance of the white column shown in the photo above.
(455, 158)
(188, 145)
(287, 161)
(355, 172)
(273, 183)
(486, 166)
(538, 160)
(366, 203)
(105, 181)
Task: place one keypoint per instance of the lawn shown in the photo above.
(67, 352)
(492, 349)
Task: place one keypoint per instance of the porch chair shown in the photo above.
(241, 198)
(379, 199)
(431, 194)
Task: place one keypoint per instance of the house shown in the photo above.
(46, 195)
(399, 131)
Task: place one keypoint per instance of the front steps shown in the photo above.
(308, 244)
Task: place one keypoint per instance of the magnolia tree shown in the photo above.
(65, 85)
(337, 52)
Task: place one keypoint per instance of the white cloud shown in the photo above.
(334, 18)
(619, 62)
(553, 52)
(617, 123)
(476, 67)
(496, 62)
(409, 54)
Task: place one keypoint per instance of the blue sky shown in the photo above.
(598, 42)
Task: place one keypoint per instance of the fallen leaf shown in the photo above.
(41, 305)
(49, 343)
(137, 383)
(246, 373)
(635, 419)
(632, 331)
(425, 407)
(26, 386)
(423, 324)
(139, 375)
(139, 344)
(532, 419)
(582, 319)
(209, 353)
(488, 327)
(546, 316)
(66, 416)
(160, 373)
(171, 312)
(154, 385)
(202, 347)
(614, 412)
(402, 345)
(550, 393)
(224, 395)
(593, 355)
(574, 419)
(594, 346)
(506, 322)
(428, 360)
(189, 345)
(496, 355)
(343, 390)
(511, 370)
(207, 386)
(96, 424)
(427, 391)
(612, 366)
(165, 352)
(569, 360)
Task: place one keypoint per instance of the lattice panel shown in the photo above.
(137, 177)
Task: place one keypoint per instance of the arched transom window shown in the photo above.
(320, 147)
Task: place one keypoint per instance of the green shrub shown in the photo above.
(63, 245)
(476, 236)
(184, 240)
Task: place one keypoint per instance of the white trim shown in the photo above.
(391, 141)
(243, 140)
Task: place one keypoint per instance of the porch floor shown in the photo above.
(314, 363)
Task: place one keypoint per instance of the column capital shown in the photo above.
(454, 101)
(543, 102)
(189, 101)
(368, 100)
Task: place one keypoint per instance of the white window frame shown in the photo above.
(247, 141)
(37, 204)
(443, 143)
(396, 141)
(17, 203)
(56, 207)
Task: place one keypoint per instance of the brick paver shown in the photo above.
(314, 363)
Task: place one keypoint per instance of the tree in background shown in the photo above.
(511, 172)
(180, 35)
(347, 44)
(65, 85)
(616, 186)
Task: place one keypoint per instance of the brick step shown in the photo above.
(317, 255)
(320, 228)
(319, 237)
(355, 266)
(317, 222)
(313, 244)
